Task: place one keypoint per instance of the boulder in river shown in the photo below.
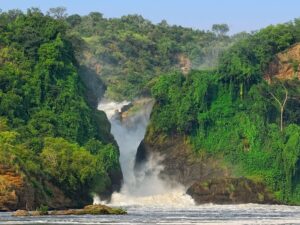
(87, 210)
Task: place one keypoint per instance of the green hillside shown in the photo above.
(48, 132)
(234, 114)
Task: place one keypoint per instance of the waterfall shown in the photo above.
(144, 187)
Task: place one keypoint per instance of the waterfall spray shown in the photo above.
(144, 187)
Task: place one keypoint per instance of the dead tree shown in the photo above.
(281, 105)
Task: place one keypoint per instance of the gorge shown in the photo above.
(142, 185)
(176, 125)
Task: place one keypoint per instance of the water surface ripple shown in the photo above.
(205, 214)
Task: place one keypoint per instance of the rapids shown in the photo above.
(247, 214)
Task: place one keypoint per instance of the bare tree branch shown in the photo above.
(281, 105)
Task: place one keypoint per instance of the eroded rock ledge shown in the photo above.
(230, 191)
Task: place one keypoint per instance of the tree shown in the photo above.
(14, 13)
(34, 11)
(68, 163)
(163, 23)
(58, 12)
(220, 29)
(281, 103)
(74, 20)
(96, 16)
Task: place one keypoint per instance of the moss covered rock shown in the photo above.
(230, 191)
(87, 210)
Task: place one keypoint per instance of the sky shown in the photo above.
(240, 15)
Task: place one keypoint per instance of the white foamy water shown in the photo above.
(143, 187)
(248, 214)
(110, 108)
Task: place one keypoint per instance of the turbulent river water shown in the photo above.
(143, 187)
(150, 200)
(205, 214)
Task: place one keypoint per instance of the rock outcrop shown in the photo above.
(230, 191)
(208, 179)
(286, 65)
(184, 63)
(87, 210)
(180, 163)
(17, 191)
(138, 108)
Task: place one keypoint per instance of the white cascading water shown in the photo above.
(145, 187)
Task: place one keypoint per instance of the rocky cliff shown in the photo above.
(286, 65)
(179, 161)
(18, 191)
(209, 180)
(14, 191)
(230, 191)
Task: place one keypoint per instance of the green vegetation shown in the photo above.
(129, 52)
(235, 114)
(48, 132)
(43, 210)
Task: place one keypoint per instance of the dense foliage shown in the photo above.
(47, 129)
(232, 112)
(129, 52)
(49, 133)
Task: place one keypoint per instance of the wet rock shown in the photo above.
(125, 108)
(230, 191)
(101, 209)
(131, 113)
(21, 213)
(38, 213)
(180, 163)
(87, 210)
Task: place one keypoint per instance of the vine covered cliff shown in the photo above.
(232, 122)
(55, 148)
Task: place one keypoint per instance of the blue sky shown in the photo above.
(240, 15)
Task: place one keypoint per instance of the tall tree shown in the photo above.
(58, 12)
(220, 29)
(281, 102)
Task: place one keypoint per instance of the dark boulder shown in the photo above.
(230, 191)
(179, 161)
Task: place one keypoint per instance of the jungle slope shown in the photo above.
(129, 52)
(222, 132)
(55, 148)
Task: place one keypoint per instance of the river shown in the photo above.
(205, 214)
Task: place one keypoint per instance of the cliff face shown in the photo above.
(286, 65)
(14, 191)
(17, 191)
(230, 191)
(208, 180)
(180, 163)
(236, 134)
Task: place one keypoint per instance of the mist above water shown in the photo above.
(143, 187)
